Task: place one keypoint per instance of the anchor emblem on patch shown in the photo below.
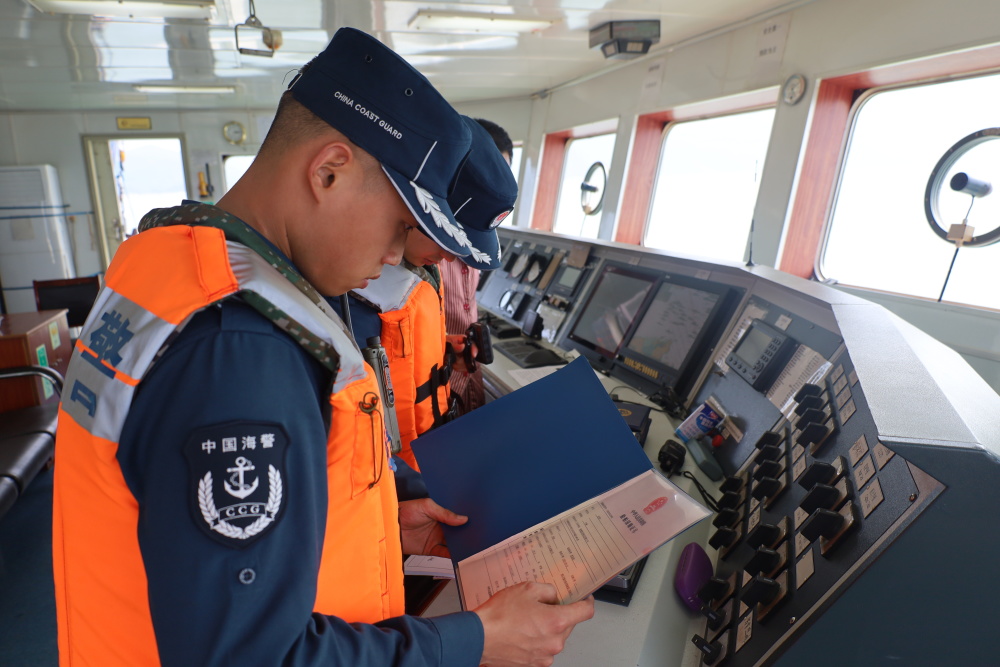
(239, 488)
(237, 480)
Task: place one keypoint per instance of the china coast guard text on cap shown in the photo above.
(381, 103)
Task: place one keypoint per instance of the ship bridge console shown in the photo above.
(855, 466)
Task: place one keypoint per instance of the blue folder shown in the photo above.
(528, 456)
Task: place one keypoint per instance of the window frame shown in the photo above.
(552, 163)
(670, 125)
(824, 146)
(647, 146)
(861, 97)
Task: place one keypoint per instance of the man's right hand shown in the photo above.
(524, 625)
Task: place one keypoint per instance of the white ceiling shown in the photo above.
(60, 61)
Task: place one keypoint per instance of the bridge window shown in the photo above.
(234, 166)
(581, 153)
(706, 184)
(878, 234)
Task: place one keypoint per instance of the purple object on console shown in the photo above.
(694, 569)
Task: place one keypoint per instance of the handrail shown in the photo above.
(23, 371)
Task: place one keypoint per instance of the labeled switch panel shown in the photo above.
(813, 495)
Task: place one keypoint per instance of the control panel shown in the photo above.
(860, 457)
(535, 286)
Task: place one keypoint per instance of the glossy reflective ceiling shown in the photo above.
(60, 62)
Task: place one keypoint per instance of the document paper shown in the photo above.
(581, 549)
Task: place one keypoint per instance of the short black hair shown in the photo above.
(500, 136)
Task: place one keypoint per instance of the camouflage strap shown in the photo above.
(429, 273)
(205, 215)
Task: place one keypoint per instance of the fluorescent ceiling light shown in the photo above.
(431, 20)
(218, 90)
(162, 9)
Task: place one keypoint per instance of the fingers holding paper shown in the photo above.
(524, 625)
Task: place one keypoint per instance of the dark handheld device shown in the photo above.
(479, 335)
(375, 356)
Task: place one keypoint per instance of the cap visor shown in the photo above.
(488, 246)
(432, 213)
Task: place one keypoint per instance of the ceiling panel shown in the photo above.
(57, 62)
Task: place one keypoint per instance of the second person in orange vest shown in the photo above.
(405, 306)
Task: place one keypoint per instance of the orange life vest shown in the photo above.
(97, 564)
(413, 335)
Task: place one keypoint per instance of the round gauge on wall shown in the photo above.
(234, 132)
(794, 89)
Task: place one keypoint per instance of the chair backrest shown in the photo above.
(75, 294)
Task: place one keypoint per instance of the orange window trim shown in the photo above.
(816, 178)
(831, 118)
(549, 177)
(647, 144)
(638, 191)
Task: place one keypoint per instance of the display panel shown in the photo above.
(761, 354)
(684, 318)
(614, 302)
(567, 281)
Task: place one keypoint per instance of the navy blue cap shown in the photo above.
(390, 110)
(484, 195)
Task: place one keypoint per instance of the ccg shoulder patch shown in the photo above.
(237, 482)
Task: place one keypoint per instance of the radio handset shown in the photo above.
(479, 335)
(375, 356)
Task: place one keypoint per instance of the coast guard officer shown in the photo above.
(222, 492)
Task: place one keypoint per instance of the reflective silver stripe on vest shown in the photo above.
(100, 403)
(92, 395)
(392, 289)
(255, 274)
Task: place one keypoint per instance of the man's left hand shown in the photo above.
(420, 525)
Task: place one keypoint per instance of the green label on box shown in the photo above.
(54, 334)
(43, 360)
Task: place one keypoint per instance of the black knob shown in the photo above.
(809, 403)
(820, 472)
(769, 453)
(763, 560)
(714, 589)
(808, 390)
(767, 469)
(730, 500)
(809, 416)
(766, 487)
(820, 496)
(770, 438)
(710, 651)
(731, 484)
(723, 537)
(716, 618)
(813, 432)
(764, 534)
(726, 518)
(762, 590)
(822, 523)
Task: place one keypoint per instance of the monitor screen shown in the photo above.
(613, 305)
(569, 276)
(672, 324)
(750, 349)
(681, 321)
